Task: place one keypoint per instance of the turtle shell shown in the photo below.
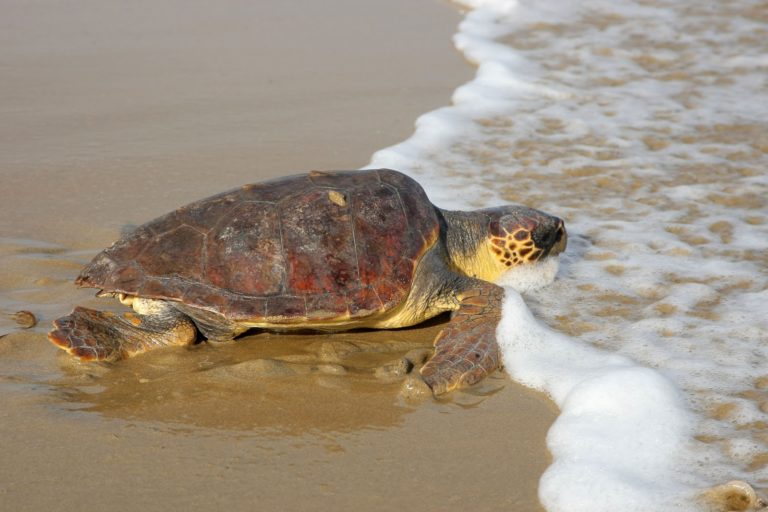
(317, 247)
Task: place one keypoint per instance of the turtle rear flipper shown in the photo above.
(92, 335)
(466, 350)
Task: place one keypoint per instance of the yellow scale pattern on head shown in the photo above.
(515, 248)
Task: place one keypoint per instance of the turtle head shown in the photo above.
(508, 240)
(518, 235)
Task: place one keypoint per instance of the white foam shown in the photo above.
(620, 433)
(526, 278)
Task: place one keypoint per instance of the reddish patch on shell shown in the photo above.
(319, 244)
(244, 254)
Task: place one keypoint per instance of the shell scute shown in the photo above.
(128, 277)
(326, 306)
(244, 252)
(131, 246)
(418, 211)
(319, 245)
(154, 286)
(379, 224)
(203, 215)
(206, 297)
(364, 301)
(246, 307)
(163, 286)
(175, 252)
(286, 307)
(165, 223)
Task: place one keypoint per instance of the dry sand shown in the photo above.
(113, 113)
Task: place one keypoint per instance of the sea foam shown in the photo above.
(643, 126)
(525, 278)
(620, 434)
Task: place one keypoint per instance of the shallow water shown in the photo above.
(643, 124)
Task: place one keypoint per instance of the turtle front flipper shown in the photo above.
(466, 350)
(92, 335)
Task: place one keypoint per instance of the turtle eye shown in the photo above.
(544, 238)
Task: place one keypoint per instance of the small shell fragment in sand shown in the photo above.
(733, 496)
(414, 389)
(394, 370)
(24, 319)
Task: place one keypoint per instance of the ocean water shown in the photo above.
(644, 124)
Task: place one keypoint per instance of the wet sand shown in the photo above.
(113, 114)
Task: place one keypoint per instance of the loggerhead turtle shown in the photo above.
(325, 251)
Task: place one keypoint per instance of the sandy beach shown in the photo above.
(115, 113)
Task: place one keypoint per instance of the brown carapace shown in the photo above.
(323, 250)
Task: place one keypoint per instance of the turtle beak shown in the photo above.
(550, 237)
(561, 239)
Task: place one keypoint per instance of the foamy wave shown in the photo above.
(622, 428)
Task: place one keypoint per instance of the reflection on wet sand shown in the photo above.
(264, 383)
(315, 419)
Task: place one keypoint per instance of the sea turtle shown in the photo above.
(323, 250)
